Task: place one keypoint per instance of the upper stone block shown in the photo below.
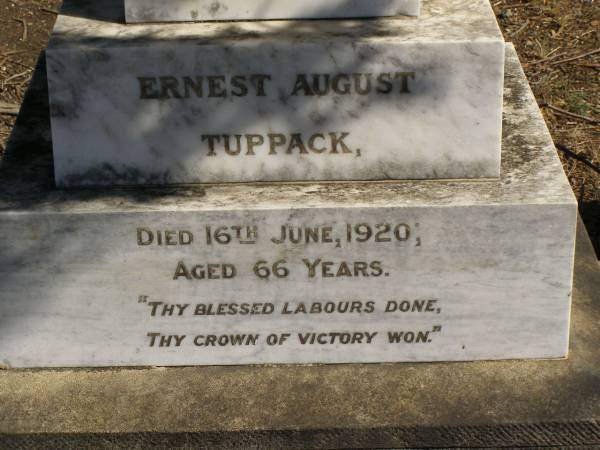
(204, 10)
(257, 101)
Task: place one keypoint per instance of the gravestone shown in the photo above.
(389, 98)
(287, 273)
(202, 10)
(391, 263)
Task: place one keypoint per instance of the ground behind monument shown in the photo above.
(558, 42)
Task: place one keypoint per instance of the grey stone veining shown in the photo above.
(440, 118)
(497, 254)
(202, 10)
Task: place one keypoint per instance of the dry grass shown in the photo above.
(24, 30)
(558, 42)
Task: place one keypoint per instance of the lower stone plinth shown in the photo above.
(289, 273)
(517, 404)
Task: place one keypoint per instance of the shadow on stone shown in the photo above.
(104, 11)
(590, 213)
(170, 141)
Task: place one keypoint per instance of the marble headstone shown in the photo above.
(288, 273)
(204, 10)
(395, 98)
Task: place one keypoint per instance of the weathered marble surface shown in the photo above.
(123, 111)
(496, 255)
(495, 404)
(202, 10)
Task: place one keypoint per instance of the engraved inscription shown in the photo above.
(269, 310)
(257, 85)
(227, 143)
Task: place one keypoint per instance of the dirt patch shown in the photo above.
(558, 42)
(25, 27)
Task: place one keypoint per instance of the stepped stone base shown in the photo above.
(395, 271)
